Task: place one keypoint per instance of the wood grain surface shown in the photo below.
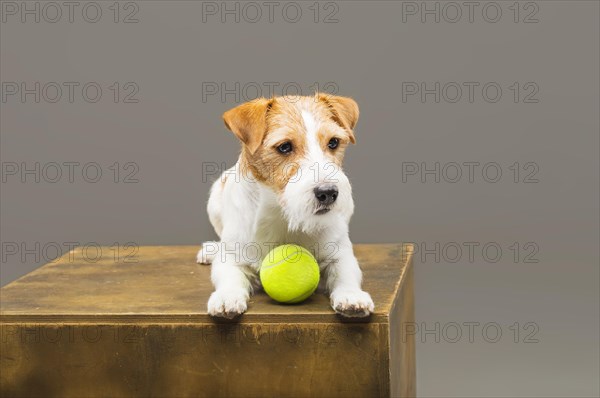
(165, 284)
(76, 328)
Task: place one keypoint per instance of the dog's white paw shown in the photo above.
(206, 254)
(352, 303)
(203, 258)
(227, 303)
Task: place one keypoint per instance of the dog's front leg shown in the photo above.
(344, 279)
(232, 286)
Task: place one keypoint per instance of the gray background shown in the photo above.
(367, 54)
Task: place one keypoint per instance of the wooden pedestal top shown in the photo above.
(165, 285)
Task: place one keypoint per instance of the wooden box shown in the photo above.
(111, 328)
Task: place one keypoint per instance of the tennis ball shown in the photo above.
(289, 274)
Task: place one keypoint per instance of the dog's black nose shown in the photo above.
(326, 194)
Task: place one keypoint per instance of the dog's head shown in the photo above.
(296, 147)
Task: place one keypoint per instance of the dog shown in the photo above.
(287, 186)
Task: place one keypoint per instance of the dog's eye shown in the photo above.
(286, 147)
(333, 143)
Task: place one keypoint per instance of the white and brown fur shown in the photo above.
(269, 198)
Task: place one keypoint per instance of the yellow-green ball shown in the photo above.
(289, 274)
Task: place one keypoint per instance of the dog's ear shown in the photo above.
(248, 122)
(344, 111)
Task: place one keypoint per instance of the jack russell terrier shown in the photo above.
(286, 187)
